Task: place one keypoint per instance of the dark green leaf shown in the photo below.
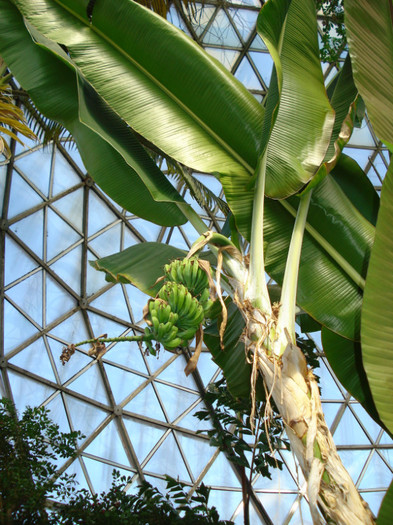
(140, 265)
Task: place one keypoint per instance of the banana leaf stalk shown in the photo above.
(270, 337)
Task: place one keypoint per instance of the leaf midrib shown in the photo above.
(228, 149)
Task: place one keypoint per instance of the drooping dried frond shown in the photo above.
(46, 129)
(204, 196)
(12, 119)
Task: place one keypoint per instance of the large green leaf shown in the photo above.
(232, 359)
(52, 85)
(140, 265)
(178, 97)
(336, 247)
(345, 358)
(377, 325)
(357, 187)
(302, 125)
(386, 511)
(370, 39)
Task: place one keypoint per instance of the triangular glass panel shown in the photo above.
(30, 231)
(349, 432)
(128, 355)
(374, 176)
(71, 206)
(244, 20)
(167, 459)
(122, 383)
(257, 44)
(76, 468)
(137, 300)
(156, 364)
(221, 32)
(198, 451)
(147, 229)
(95, 280)
(72, 329)
(143, 436)
(27, 392)
(108, 242)
(108, 445)
(22, 196)
(174, 373)
(362, 136)
(374, 499)
(37, 167)
(206, 367)
(75, 155)
(58, 413)
(64, 175)
(85, 417)
(227, 57)
(17, 328)
(35, 359)
(192, 422)
(372, 428)
(17, 262)
(354, 461)
(203, 14)
(221, 473)
(101, 474)
(28, 295)
(3, 178)
(78, 361)
(278, 506)
(330, 412)
(58, 301)
(175, 401)
(247, 76)
(69, 268)
(101, 325)
(302, 515)
(292, 465)
(146, 403)
(90, 384)
(264, 64)
(129, 238)
(174, 18)
(99, 214)
(380, 166)
(362, 156)
(280, 479)
(60, 235)
(113, 302)
(378, 475)
(177, 240)
(329, 388)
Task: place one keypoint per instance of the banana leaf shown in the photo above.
(140, 265)
(131, 179)
(345, 358)
(370, 40)
(232, 359)
(386, 510)
(299, 119)
(377, 326)
(335, 253)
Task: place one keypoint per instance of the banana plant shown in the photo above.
(306, 210)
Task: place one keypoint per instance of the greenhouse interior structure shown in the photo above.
(136, 410)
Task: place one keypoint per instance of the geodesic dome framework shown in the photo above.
(137, 411)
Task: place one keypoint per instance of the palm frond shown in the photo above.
(12, 118)
(203, 195)
(46, 129)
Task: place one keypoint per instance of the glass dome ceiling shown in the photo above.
(136, 411)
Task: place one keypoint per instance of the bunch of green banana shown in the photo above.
(182, 302)
(162, 324)
(188, 273)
